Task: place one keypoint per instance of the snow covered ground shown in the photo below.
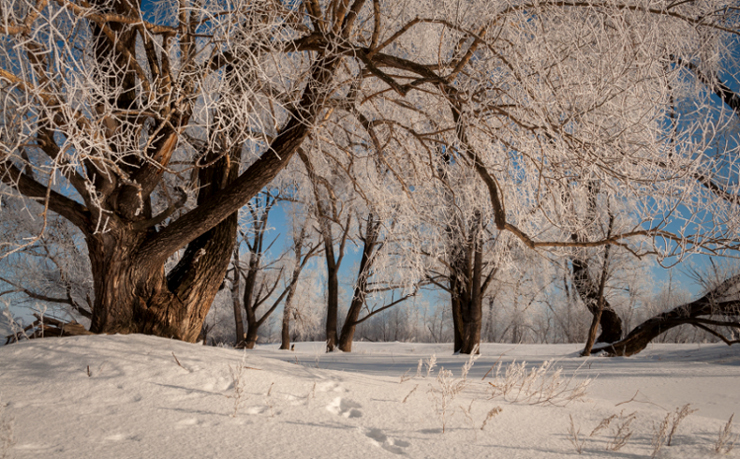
(145, 397)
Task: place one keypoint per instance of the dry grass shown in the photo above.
(574, 436)
(726, 439)
(537, 385)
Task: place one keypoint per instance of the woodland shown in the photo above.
(464, 171)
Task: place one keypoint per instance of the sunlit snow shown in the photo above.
(144, 397)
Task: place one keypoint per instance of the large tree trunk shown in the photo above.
(601, 301)
(467, 312)
(332, 278)
(132, 293)
(250, 302)
(723, 302)
(588, 290)
(252, 335)
(466, 291)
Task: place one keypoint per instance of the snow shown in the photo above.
(128, 397)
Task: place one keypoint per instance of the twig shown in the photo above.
(178, 362)
(409, 394)
(638, 401)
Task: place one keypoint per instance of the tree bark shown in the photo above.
(301, 260)
(588, 289)
(132, 293)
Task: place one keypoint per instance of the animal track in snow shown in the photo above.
(329, 386)
(384, 441)
(257, 409)
(345, 408)
(185, 423)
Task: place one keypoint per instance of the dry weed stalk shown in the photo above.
(431, 363)
(443, 395)
(659, 435)
(468, 412)
(491, 414)
(677, 417)
(574, 436)
(409, 394)
(603, 425)
(268, 400)
(623, 432)
(237, 381)
(538, 385)
(726, 440)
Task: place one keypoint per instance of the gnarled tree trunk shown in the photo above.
(723, 302)
(132, 293)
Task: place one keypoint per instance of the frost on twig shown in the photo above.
(574, 436)
(622, 431)
(442, 396)
(678, 415)
(536, 386)
(430, 364)
(726, 439)
(237, 383)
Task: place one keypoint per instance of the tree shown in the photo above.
(60, 285)
(122, 109)
(380, 274)
(467, 261)
(148, 131)
(304, 250)
(719, 307)
(259, 285)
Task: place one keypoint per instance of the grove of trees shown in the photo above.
(507, 153)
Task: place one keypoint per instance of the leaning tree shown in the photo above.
(148, 127)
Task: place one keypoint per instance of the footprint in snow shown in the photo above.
(293, 400)
(188, 422)
(392, 445)
(345, 408)
(257, 410)
(329, 386)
